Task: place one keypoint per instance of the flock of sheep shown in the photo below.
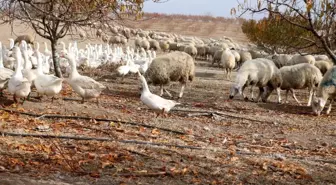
(255, 68)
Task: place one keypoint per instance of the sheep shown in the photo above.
(164, 45)
(321, 57)
(228, 61)
(281, 60)
(104, 38)
(257, 54)
(258, 72)
(326, 90)
(300, 76)
(191, 50)
(174, 66)
(154, 44)
(217, 57)
(201, 52)
(123, 40)
(137, 42)
(82, 34)
(173, 46)
(244, 56)
(298, 59)
(323, 65)
(236, 55)
(28, 38)
(99, 33)
(145, 44)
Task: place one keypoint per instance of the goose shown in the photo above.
(46, 52)
(17, 84)
(48, 85)
(28, 72)
(154, 101)
(5, 74)
(85, 86)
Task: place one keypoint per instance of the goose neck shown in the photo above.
(144, 85)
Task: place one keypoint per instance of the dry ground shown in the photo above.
(206, 140)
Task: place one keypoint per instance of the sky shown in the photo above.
(195, 7)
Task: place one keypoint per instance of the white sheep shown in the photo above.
(321, 57)
(258, 72)
(281, 60)
(324, 65)
(325, 91)
(174, 66)
(300, 76)
(298, 59)
(228, 61)
(244, 56)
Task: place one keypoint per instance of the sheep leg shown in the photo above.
(169, 94)
(311, 93)
(279, 95)
(251, 92)
(161, 90)
(286, 99)
(261, 91)
(329, 108)
(182, 90)
(245, 97)
(293, 94)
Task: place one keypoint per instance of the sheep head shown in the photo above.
(318, 105)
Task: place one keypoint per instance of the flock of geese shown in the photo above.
(32, 69)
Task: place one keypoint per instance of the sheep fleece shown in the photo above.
(175, 66)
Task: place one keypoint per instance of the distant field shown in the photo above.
(201, 26)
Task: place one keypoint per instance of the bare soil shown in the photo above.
(212, 140)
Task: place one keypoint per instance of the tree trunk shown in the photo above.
(57, 68)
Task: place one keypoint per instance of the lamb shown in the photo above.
(28, 38)
(324, 65)
(326, 90)
(174, 66)
(228, 61)
(257, 72)
(191, 50)
(300, 76)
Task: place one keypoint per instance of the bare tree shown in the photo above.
(314, 16)
(53, 19)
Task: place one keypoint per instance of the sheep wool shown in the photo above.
(174, 66)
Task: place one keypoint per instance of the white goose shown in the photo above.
(48, 85)
(17, 85)
(85, 86)
(28, 72)
(154, 101)
(5, 74)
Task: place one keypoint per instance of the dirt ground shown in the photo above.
(208, 139)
